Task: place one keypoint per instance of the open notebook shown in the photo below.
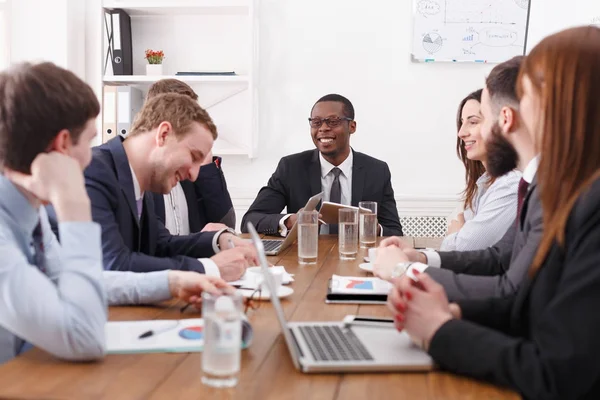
(175, 336)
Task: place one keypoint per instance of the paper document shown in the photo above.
(169, 336)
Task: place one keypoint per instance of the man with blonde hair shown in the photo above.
(200, 205)
(169, 139)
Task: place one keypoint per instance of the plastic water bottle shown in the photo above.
(222, 339)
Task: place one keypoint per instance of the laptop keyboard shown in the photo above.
(272, 245)
(331, 343)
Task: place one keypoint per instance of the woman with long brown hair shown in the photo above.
(542, 341)
(489, 205)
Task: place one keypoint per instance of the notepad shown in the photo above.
(180, 336)
(359, 290)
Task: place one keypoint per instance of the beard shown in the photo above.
(501, 155)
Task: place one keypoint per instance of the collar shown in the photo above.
(483, 180)
(136, 185)
(345, 166)
(17, 206)
(531, 169)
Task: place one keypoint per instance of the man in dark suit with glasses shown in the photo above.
(342, 174)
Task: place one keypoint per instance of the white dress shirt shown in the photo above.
(176, 212)
(327, 178)
(433, 258)
(210, 267)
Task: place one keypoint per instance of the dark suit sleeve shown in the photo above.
(265, 212)
(558, 359)
(116, 255)
(494, 260)
(213, 197)
(388, 212)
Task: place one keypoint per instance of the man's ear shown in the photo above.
(352, 127)
(164, 130)
(508, 120)
(62, 143)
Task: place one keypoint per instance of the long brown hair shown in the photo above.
(473, 169)
(564, 72)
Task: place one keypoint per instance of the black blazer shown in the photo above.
(127, 244)
(543, 340)
(207, 198)
(298, 177)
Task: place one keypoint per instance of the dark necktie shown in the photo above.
(335, 195)
(39, 257)
(523, 185)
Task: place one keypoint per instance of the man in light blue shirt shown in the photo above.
(54, 295)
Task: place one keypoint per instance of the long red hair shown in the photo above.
(564, 70)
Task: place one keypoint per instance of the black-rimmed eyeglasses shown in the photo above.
(331, 122)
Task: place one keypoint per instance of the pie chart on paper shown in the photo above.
(192, 333)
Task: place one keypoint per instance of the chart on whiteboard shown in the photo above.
(469, 30)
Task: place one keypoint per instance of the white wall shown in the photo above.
(48, 30)
(405, 111)
(550, 16)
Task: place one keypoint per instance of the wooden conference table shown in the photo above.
(267, 371)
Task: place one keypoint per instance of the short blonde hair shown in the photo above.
(177, 109)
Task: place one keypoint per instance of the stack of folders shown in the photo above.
(358, 290)
(120, 105)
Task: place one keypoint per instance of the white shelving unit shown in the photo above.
(200, 35)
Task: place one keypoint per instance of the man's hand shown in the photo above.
(56, 179)
(213, 227)
(289, 223)
(412, 254)
(232, 263)
(188, 286)
(385, 261)
(456, 224)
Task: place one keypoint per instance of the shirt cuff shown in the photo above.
(215, 242)
(210, 267)
(283, 230)
(433, 258)
(418, 266)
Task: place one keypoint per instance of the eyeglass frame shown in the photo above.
(248, 302)
(328, 121)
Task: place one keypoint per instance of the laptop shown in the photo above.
(276, 246)
(339, 347)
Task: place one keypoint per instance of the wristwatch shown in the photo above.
(400, 269)
(228, 230)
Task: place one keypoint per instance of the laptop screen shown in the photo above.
(264, 264)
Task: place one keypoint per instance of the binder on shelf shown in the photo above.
(119, 57)
(109, 113)
(129, 103)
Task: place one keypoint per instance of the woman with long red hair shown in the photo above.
(543, 341)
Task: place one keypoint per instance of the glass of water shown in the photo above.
(368, 224)
(308, 237)
(348, 233)
(221, 355)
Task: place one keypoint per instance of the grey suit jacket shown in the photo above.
(498, 270)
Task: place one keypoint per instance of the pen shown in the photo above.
(153, 332)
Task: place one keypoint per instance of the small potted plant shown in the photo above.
(155, 59)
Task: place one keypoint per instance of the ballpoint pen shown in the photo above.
(154, 332)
